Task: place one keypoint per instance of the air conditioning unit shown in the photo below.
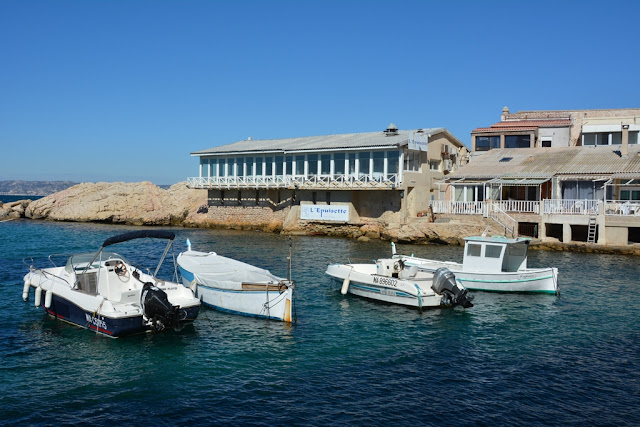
(447, 165)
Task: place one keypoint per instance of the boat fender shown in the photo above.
(25, 290)
(345, 286)
(38, 296)
(48, 298)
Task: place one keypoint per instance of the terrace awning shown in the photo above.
(527, 182)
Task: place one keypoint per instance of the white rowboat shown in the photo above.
(229, 285)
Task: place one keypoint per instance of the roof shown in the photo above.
(523, 125)
(326, 142)
(550, 161)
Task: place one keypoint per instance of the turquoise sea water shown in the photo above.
(512, 359)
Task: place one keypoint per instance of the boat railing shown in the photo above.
(32, 269)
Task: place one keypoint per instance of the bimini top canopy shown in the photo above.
(140, 234)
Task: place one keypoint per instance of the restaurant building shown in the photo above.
(388, 175)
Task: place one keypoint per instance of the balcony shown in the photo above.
(571, 206)
(622, 207)
(549, 207)
(342, 182)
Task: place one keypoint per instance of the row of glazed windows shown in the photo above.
(629, 194)
(486, 143)
(607, 138)
(364, 163)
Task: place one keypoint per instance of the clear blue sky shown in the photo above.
(125, 90)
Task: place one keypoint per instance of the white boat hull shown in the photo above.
(231, 289)
(364, 283)
(119, 316)
(271, 304)
(534, 280)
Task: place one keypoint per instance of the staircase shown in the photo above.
(593, 225)
(501, 217)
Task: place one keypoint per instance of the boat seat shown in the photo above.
(409, 273)
(129, 297)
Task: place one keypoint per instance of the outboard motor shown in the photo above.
(157, 308)
(444, 283)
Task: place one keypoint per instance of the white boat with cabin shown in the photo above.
(494, 263)
(390, 280)
(236, 287)
(104, 292)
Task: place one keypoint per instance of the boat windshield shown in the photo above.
(79, 262)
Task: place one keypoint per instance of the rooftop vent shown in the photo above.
(391, 130)
(505, 159)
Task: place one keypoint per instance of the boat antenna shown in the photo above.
(289, 261)
(393, 248)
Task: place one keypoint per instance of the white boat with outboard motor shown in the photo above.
(390, 280)
(233, 286)
(493, 263)
(104, 292)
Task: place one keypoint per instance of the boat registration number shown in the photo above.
(98, 323)
(384, 281)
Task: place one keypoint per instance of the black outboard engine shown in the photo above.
(157, 308)
(444, 283)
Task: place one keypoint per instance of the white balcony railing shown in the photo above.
(571, 206)
(522, 206)
(376, 181)
(459, 208)
(478, 207)
(622, 207)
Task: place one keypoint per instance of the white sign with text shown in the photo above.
(325, 212)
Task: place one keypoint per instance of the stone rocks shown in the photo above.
(13, 210)
(126, 203)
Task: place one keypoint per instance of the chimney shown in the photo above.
(505, 111)
(624, 149)
(391, 130)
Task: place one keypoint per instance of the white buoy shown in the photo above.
(345, 286)
(48, 298)
(25, 290)
(38, 296)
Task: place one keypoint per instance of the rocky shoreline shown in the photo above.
(144, 204)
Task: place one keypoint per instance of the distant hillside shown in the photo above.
(33, 188)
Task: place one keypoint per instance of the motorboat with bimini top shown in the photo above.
(234, 286)
(494, 263)
(104, 292)
(392, 281)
